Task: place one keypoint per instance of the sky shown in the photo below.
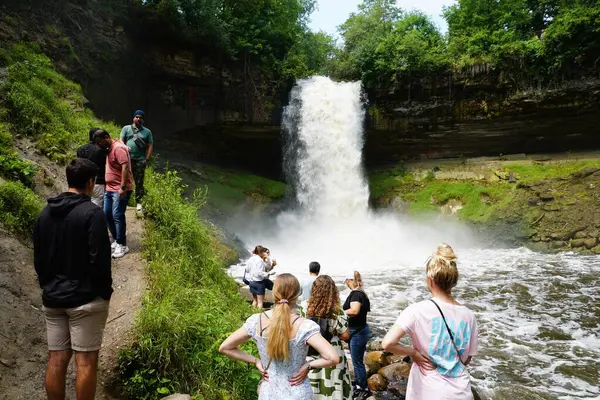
(331, 13)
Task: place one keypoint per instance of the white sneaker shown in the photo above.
(120, 251)
(138, 210)
(113, 246)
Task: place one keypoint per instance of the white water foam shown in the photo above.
(538, 314)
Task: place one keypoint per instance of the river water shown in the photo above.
(538, 314)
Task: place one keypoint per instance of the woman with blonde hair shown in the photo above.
(356, 307)
(282, 337)
(443, 334)
(324, 308)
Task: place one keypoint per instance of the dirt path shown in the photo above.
(23, 351)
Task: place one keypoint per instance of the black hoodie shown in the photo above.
(72, 252)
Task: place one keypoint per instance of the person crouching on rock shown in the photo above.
(443, 333)
(258, 269)
(325, 309)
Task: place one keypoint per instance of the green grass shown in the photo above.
(528, 173)
(481, 200)
(228, 189)
(19, 208)
(436, 193)
(45, 105)
(191, 306)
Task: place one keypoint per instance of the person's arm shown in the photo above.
(124, 175)
(149, 148)
(390, 343)
(99, 250)
(329, 358)
(354, 309)
(37, 254)
(122, 157)
(230, 348)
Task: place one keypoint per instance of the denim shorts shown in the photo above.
(259, 287)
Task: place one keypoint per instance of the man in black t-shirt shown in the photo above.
(97, 155)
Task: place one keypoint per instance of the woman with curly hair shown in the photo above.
(324, 308)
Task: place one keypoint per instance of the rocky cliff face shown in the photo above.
(466, 119)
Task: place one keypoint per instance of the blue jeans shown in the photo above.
(358, 344)
(114, 209)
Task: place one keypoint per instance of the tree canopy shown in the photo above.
(525, 40)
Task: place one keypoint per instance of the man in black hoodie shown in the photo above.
(72, 260)
(97, 155)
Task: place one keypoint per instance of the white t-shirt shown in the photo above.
(256, 269)
(307, 287)
(424, 324)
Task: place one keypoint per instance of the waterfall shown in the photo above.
(323, 154)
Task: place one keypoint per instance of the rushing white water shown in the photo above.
(324, 143)
(539, 315)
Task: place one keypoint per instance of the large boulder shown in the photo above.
(377, 383)
(374, 360)
(395, 372)
(398, 388)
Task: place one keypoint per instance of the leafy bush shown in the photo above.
(19, 207)
(11, 165)
(191, 306)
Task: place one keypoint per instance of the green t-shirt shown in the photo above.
(137, 153)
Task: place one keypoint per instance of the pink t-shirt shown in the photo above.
(424, 324)
(118, 154)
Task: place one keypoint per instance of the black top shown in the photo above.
(72, 252)
(96, 155)
(361, 319)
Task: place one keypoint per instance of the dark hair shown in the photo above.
(92, 131)
(100, 134)
(259, 249)
(314, 267)
(79, 172)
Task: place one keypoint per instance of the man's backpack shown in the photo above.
(137, 139)
(326, 332)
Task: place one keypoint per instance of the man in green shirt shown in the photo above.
(140, 142)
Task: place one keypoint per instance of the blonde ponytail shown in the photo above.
(285, 291)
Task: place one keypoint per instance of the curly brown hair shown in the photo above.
(324, 301)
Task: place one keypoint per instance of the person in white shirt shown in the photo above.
(313, 269)
(258, 269)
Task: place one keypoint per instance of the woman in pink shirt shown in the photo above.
(443, 334)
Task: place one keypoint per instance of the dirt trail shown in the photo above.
(23, 351)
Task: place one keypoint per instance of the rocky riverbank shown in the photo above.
(547, 202)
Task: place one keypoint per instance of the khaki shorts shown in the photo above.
(79, 328)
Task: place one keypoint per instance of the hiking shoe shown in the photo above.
(120, 251)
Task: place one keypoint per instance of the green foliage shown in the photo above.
(265, 31)
(11, 165)
(45, 105)
(384, 45)
(19, 207)
(309, 56)
(528, 173)
(525, 42)
(191, 306)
